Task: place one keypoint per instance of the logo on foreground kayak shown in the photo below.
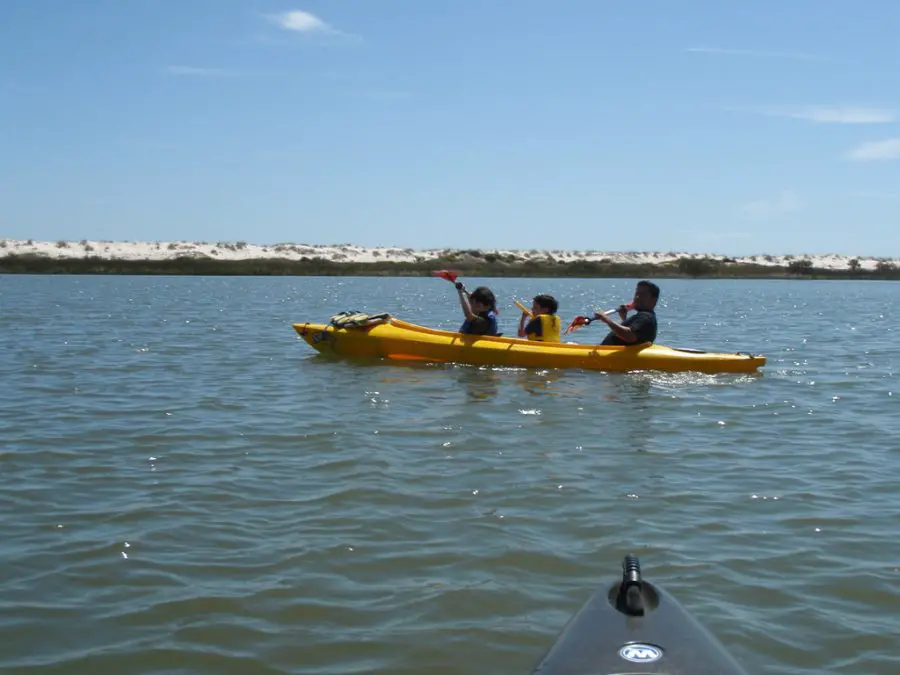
(638, 652)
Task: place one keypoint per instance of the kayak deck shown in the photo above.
(635, 627)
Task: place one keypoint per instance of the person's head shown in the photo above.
(482, 300)
(646, 293)
(544, 304)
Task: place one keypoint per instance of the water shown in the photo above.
(188, 488)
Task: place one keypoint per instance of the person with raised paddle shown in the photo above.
(638, 328)
(543, 322)
(479, 307)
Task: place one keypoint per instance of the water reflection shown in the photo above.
(626, 409)
(627, 388)
(540, 382)
(480, 383)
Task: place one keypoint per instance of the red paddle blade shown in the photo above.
(445, 274)
(577, 323)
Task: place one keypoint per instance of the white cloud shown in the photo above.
(784, 203)
(756, 53)
(306, 23)
(874, 151)
(191, 71)
(302, 22)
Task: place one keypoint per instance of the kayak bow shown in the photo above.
(635, 627)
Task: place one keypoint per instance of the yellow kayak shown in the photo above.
(383, 336)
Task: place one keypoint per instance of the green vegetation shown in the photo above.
(469, 263)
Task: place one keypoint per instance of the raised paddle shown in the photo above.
(580, 320)
(452, 277)
(446, 274)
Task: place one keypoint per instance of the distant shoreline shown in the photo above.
(242, 259)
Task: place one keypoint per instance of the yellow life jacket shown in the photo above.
(549, 329)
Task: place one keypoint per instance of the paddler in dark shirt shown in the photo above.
(480, 310)
(638, 328)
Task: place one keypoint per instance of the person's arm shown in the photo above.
(534, 327)
(464, 301)
(624, 333)
(522, 324)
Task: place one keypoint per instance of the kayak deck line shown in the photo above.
(635, 627)
(383, 336)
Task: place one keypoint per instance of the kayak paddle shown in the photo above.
(581, 320)
(453, 278)
(523, 308)
(450, 276)
(445, 274)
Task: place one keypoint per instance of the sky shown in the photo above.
(706, 126)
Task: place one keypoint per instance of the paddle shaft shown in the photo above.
(580, 321)
(606, 313)
(524, 309)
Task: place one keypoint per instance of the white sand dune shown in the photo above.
(163, 250)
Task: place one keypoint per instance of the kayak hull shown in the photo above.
(604, 638)
(399, 340)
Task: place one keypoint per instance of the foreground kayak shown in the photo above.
(636, 627)
(387, 337)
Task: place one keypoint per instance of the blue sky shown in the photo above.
(622, 125)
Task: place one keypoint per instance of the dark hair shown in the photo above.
(484, 295)
(547, 302)
(650, 286)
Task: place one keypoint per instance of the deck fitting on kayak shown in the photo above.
(630, 599)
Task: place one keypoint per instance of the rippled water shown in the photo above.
(187, 488)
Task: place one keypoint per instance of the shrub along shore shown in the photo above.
(484, 265)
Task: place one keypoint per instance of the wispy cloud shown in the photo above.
(784, 203)
(875, 151)
(192, 71)
(840, 114)
(826, 114)
(149, 144)
(878, 195)
(711, 235)
(10, 83)
(754, 53)
(306, 23)
(383, 93)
